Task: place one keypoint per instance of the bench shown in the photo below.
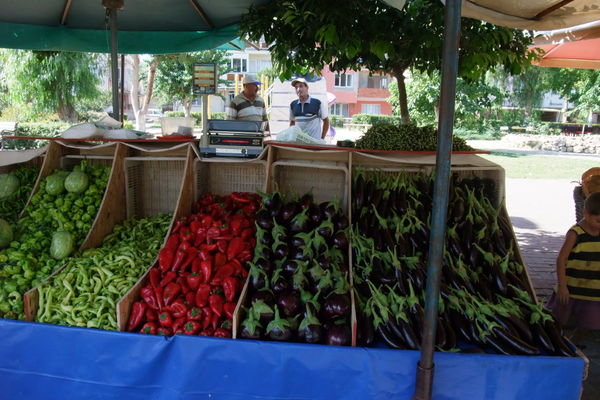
(6, 127)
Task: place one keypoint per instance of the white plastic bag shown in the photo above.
(86, 130)
(294, 134)
(124, 134)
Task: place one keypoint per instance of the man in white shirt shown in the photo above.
(307, 112)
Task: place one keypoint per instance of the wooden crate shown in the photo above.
(294, 172)
(180, 207)
(109, 213)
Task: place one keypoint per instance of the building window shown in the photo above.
(239, 65)
(340, 109)
(377, 82)
(343, 80)
(374, 109)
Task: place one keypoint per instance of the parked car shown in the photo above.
(153, 115)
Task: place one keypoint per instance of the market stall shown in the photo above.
(53, 361)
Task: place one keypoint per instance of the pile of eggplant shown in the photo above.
(299, 286)
(486, 302)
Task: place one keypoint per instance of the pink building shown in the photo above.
(358, 93)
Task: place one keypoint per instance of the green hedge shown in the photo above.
(375, 119)
(41, 129)
(336, 120)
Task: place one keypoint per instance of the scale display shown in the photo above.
(205, 78)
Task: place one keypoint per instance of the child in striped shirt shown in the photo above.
(578, 272)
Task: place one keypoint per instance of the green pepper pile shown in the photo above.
(86, 291)
(405, 137)
(11, 206)
(27, 261)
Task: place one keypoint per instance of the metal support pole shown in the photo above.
(122, 93)
(204, 114)
(425, 366)
(114, 63)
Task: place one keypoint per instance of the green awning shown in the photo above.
(40, 37)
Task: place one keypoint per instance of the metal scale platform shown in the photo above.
(233, 138)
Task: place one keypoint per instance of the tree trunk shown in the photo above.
(67, 113)
(140, 108)
(187, 107)
(402, 99)
(564, 109)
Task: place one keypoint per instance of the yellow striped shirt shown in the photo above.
(583, 266)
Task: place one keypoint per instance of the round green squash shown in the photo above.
(55, 184)
(76, 182)
(62, 245)
(8, 185)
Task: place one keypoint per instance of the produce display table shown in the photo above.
(43, 361)
(40, 361)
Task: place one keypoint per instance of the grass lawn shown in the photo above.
(532, 166)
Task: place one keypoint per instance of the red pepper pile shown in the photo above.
(201, 270)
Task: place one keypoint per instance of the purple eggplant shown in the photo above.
(324, 261)
(340, 240)
(341, 222)
(289, 211)
(299, 280)
(297, 241)
(258, 278)
(300, 254)
(325, 228)
(310, 329)
(281, 251)
(300, 222)
(336, 305)
(290, 267)
(279, 284)
(264, 219)
(329, 209)
(279, 329)
(289, 303)
(306, 201)
(251, 327)
(265, 265)
(338, 335)
(262, 310)
(265, 295)
(315, 215)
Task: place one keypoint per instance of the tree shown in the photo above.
(142, 88)
(50, 81)
(577, 86)
(474, 100)
(174, 74)
(306, 35)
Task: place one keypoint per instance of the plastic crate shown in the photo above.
(152, 184)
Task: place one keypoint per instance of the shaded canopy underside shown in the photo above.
(144, 26)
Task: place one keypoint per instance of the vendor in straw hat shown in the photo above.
(248, 105)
